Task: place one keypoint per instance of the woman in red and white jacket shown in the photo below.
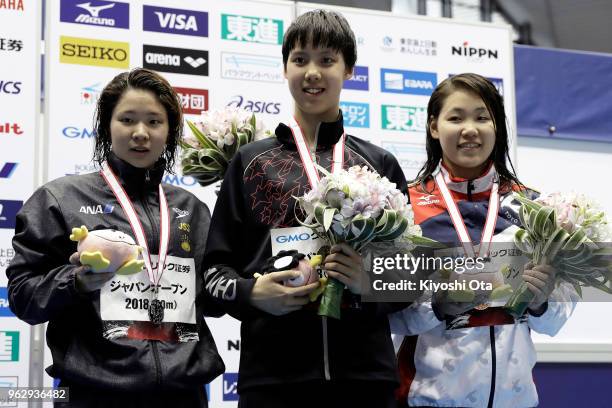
(473, 354)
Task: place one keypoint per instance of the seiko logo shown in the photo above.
(11, 4)
(86, 51)
(427, 200)
(11, 128)
(282, 239)
(239, 101)
(97, 209)
(93, 52)
(10, 87)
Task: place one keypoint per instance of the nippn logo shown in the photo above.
(86, 51)
(428, 200)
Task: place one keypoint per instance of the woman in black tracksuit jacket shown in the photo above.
(106, 346)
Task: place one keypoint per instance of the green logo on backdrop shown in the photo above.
(411, 118)
(251, 29)
(9, 346)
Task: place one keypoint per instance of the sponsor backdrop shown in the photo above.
(217, 54)
(19, 96)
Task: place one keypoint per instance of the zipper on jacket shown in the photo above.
(493, 368)
(325, 349)
(470, 187)
(158, 376)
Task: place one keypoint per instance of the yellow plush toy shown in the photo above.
(108, 250)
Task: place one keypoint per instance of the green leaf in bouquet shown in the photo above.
(202, 138)
(396, 231)
(425, 242)
(328, 218)
(543, 222)
(361, 230)
(212, 160)
(320, 211)
(523, 242)
(527, 203)
(386, 221)
(555, 242)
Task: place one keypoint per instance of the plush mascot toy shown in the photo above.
(293, 260)
(107, 250)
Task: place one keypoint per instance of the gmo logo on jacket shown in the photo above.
(251, 67)
(255, 105)
(95, 12)
(175, 21)
(360, 80)
(175, 60)
(407, 82)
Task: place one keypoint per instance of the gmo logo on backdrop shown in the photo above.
(251, 67)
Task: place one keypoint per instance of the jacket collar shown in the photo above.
(135, 178)
(482, 183)
(328, 133)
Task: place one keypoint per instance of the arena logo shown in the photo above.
(251, 67)
(8, 212)
(407, 82)
(473, 53)
(255, 106)
(176, 180)
(355, 114)
(7, 169)
(97, 13)
(73, 132)
(5, 311)
(11, 44)
(10, 87)
(11, 5)
(193, 101)
(360, 79)
(230, 387)
(251, 29)
(8, 128)
(175, 60)
(176, 21)
(86, 51)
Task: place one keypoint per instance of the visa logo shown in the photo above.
(177, 21)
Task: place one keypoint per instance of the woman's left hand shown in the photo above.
(345, 264)
(540, 280)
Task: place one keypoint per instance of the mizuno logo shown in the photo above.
(427, 200)
(94, 11)
(180, 213)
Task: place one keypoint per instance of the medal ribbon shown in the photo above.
(128, 209)
(307, 160)
(460, 228)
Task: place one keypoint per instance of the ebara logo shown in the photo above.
(251, 67)
(238, 101)
(5, 311)
(8, 213)
(355, 114)
(407, 82)
(175, 21)
(251, 29)
(230, 387)
(360, 80)
(73, 132)
(98, 13)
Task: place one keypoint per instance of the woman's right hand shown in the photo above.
(85, 280)
(270, 295)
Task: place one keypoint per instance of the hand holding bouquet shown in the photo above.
(214, 141)
(355, 206)
(568, 233)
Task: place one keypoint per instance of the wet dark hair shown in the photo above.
(321, 28)
(494, 102)
(144, 79)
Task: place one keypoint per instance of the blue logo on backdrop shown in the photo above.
(255, 106)
(73, 132)
(176, 180)
(355, 114)
(230, 387)
(407, 82)
(99, 13)
(4, 304)
(360, 79)
(10, 87)
(8, 213)
(176, 21)
(7, 169)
